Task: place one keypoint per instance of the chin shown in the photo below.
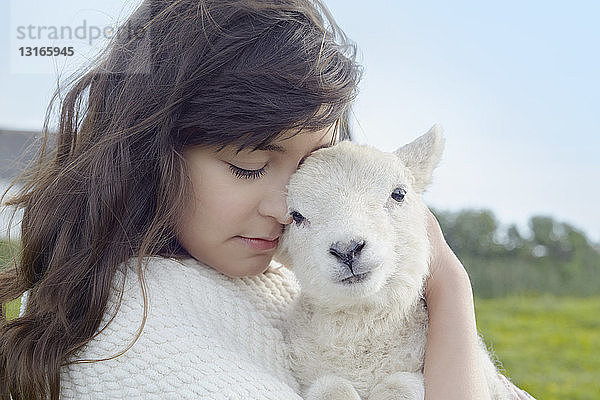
(363, 288)
(250, 267)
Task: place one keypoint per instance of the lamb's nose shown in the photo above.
(347, 251)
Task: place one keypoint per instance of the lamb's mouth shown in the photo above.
(355, 278)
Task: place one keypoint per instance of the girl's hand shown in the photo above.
(443, 260)
(445, 269)
(452, 370)
(451, 366)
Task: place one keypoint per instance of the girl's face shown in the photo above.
(238, 207)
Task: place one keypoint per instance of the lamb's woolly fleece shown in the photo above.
(207, 336)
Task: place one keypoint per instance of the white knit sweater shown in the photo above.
(207, 336)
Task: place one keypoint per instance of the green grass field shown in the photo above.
(549, 346)
(12, 309)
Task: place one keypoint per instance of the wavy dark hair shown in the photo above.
(110, 181)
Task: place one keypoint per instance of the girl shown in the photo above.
(150, 225)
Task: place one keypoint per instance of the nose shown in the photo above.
(347, 252)
(274, 205)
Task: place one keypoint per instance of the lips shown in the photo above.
(267, 239)
(260, 243)
(355, 278)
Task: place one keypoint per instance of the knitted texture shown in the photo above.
(207, 336)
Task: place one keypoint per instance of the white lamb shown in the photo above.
(359, 248)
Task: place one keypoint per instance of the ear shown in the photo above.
(422, 155)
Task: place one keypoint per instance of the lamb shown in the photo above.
(358, 246)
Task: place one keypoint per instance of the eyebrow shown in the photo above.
(280, 149)
(272, 147)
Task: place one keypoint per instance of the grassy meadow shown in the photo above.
(548, 345)
(12, 309)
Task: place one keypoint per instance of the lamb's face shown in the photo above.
(359, 225)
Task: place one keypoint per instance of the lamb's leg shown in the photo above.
(331, 387)
(400, 386)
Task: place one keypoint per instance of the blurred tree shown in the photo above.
(559, 240)
(552, 257)
(514, 243)
(473, 232)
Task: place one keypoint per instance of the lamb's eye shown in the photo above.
(398, 194)
(298, 218)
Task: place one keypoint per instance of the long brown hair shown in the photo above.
(109, 183)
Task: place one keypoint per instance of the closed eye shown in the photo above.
(246, 173)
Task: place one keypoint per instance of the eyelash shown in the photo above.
(250, 173)
(246, 173)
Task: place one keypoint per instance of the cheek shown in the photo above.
(217, 197)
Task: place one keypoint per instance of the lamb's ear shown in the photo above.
(422, 155)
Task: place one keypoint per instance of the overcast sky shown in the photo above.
(515, 84)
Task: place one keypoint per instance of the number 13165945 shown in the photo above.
(47, 51)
